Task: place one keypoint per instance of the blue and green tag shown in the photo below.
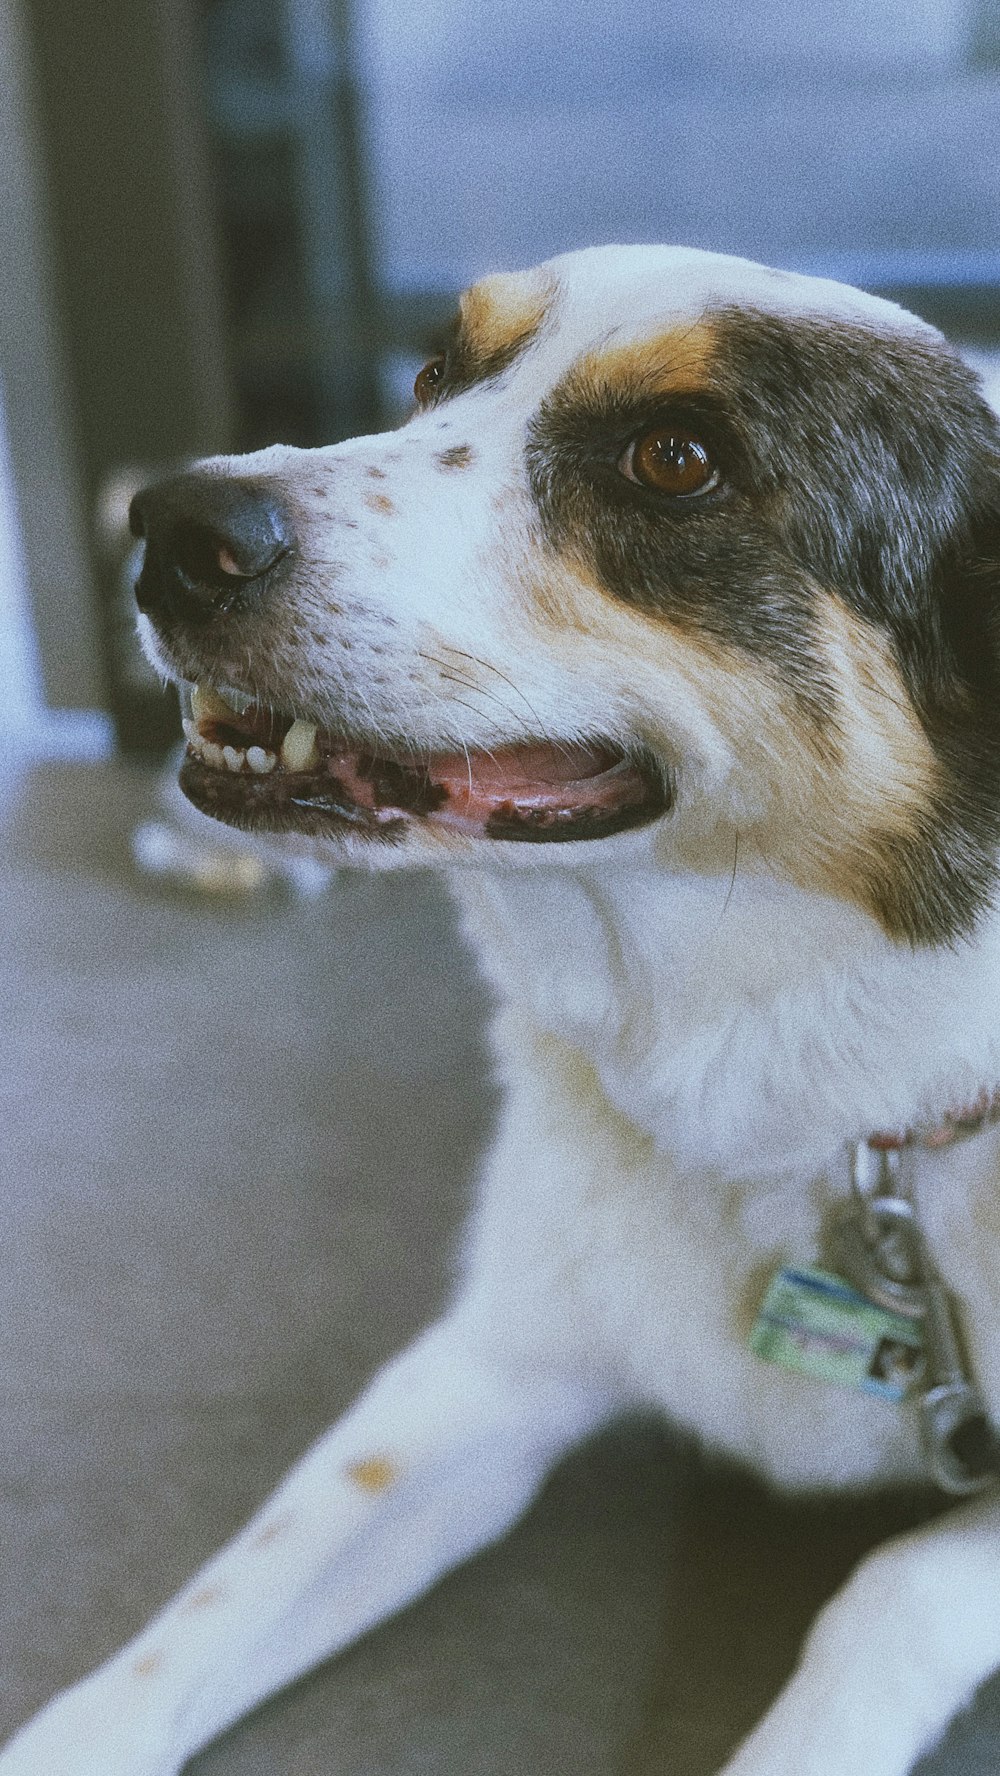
(812, 1321)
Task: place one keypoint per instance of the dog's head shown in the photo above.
(673, 544)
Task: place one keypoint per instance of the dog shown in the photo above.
(668, 629)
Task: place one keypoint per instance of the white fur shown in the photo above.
(686, 1053)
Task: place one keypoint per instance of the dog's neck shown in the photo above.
(745, 1024)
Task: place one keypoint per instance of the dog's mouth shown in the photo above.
(263, 771)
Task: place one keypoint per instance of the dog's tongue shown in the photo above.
(535, 772)
(538, 786)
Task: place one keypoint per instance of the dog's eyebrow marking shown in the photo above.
(673, 363)
(458, 456)
(498, 319)
(376, 1474)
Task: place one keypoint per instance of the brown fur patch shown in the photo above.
(149, 1665)
(677, 362)
(376, 1474)
(379, 502)
(830, 794)
(273, 1531)
(836, 795)
(501, 314)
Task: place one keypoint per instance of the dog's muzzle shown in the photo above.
(215, 549)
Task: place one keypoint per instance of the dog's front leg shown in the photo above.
(896, 1653)
(437, 1459)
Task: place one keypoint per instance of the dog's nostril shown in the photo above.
(209, 558)
(227, 562)
(210, 542)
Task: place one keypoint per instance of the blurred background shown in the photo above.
(232, 1161)
(225, 222)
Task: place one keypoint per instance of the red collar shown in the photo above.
(955, 1125)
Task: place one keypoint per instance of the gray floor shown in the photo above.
(236, 1143)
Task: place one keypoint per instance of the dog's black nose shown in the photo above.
(211, 540)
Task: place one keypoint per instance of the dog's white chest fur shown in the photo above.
(684, 1069)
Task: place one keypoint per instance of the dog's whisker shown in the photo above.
(450, 676)
(485, 750)
(481, 691)
(540, 727)
(450, 732)
(424, 750)
(376, 730)
(732, 879)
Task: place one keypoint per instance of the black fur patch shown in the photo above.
(863, 463)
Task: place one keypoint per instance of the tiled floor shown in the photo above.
(236, 1145)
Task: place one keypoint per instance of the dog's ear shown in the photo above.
(967, 598)
(953, 671)
(947, 632)
(949, 537)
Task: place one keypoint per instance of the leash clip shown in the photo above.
(875, 1240)
(879, 1247)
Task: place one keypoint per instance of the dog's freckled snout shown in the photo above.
(458, 456)
(212, 540)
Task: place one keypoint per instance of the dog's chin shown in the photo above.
(255, 770)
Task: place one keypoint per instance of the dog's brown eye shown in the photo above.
(427, 381)
(670, 462)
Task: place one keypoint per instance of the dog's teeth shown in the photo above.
(234, 757)
(213, 755)
(207, 705)
(261, 760)
(298, 749)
